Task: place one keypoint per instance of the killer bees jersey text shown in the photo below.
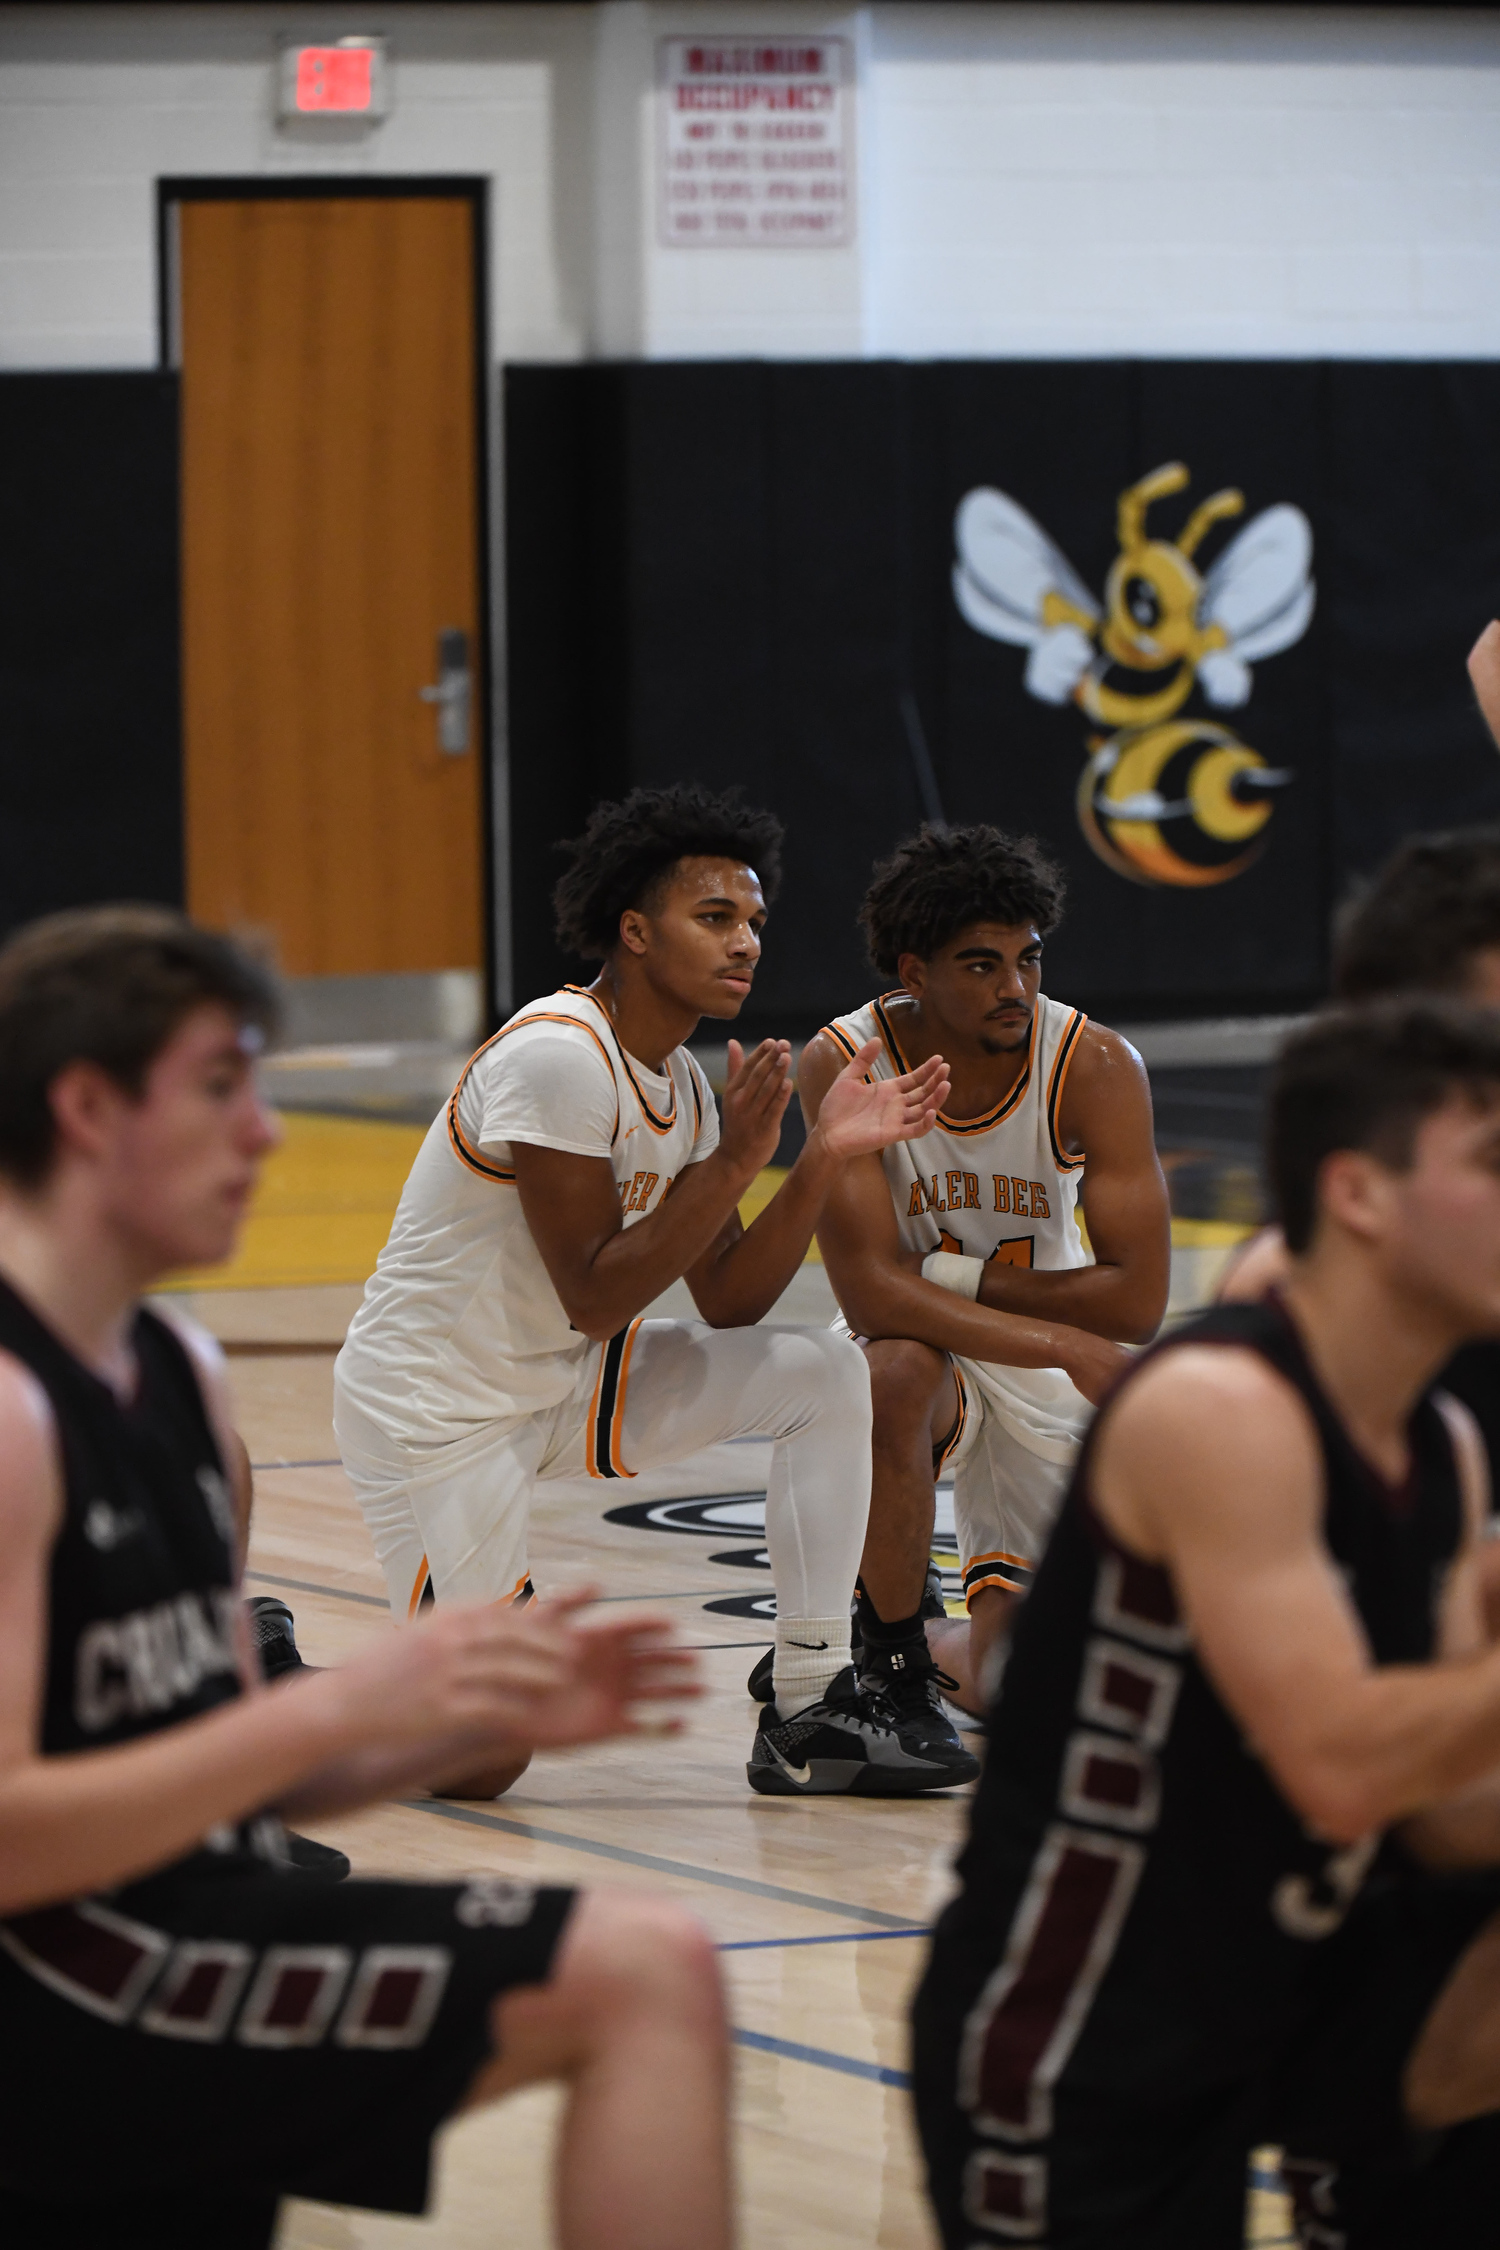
(997, 1186)
(460, 1323)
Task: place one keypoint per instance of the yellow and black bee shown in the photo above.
(1163, 798)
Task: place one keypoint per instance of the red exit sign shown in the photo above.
(346, 79)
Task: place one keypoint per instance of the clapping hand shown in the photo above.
(860, 1115)
(616, 1668)
(755, 1097)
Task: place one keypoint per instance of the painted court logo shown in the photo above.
(1165, 797)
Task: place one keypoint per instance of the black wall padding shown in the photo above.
(737, 571)
(90, 730)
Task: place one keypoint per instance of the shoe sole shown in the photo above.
(850, 1777)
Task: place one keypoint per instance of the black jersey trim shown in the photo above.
(463, 1148)
(657, 1123)
(1061, 1063)
(607, 1407)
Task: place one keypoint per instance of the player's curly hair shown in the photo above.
(1417, 924)
(629, 846)
(942, 879)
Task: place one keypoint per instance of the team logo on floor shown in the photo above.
(744, 1514)
(1166, 797)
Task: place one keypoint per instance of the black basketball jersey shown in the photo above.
(142, 1611)
(1140, 1903)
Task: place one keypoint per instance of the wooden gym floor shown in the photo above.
(819, 1909)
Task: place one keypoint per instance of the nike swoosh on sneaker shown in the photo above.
(802, 1775)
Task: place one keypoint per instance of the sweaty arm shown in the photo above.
(1209, 1464)
(1105, 1115)
(605, 1272)
(883, 1294)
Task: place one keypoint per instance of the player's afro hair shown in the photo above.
(619, 860)
(942, 879)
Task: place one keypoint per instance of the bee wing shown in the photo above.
(1006, 567)
(1260, 590)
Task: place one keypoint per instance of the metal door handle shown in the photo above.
(452, 691)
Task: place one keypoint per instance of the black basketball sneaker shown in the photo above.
(850, 1743)
(274, 1633)
(907, 1679)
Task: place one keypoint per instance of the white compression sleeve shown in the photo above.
(809, 1391)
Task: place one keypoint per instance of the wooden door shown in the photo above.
(330, 535)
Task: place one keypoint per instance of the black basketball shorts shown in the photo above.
(170, 2078)
(1119, 2171)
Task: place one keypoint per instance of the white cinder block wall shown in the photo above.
(1054, 180)
(1188, 181)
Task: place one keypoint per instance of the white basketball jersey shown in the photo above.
(998, 1186)
(460, 1323)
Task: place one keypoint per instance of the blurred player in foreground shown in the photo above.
(1428, 922)
(1234, 1869)
(192, 2028)
(579, 1171)
(956, 1255)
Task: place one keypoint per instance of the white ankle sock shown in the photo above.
(810, 1651)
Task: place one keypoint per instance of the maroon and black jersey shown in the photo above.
(1140, 1904)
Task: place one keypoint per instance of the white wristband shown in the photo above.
(952, 1271)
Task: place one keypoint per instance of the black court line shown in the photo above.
(306, 1586)
(659, 1866)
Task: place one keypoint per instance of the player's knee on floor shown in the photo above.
(905, 1378)
(484, 1782)
(624, 1955)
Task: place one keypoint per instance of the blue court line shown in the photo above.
(838, 1937)
(259, 1466)
(659, 1866)
(305, 1586)
(822, 2058)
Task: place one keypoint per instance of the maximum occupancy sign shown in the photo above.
(756, 142)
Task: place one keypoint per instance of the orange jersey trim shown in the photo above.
(959, 1125)
(842, 1039)
(950, 1443)
(419, 1588)
(1061, 1064)
(463, 1147)
(602, 1430)
(657, 1124)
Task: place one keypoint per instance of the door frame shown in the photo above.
(473, 189)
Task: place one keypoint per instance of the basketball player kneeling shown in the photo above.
(1233, 1877)
(193, 2029)
(578, 1171)
(956, 1254)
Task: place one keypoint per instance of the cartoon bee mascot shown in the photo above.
(1163, 799)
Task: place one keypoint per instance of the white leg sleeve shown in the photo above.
(809, 1391)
